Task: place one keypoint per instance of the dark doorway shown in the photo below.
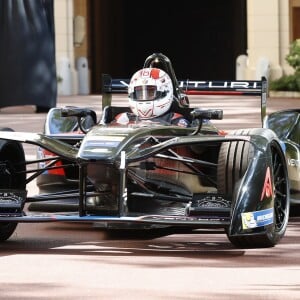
(296, 24)
(202, 39)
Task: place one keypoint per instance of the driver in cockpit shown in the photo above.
(150, 94)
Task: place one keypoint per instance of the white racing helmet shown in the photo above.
(150, 93)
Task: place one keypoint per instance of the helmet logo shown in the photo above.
(153, 73)
(146, 112)
(162, 105)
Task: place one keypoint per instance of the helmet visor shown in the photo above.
(145, 92)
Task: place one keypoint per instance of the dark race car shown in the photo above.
(151, 175)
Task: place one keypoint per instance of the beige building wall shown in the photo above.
(63, 15)
(267, 23)
(284, 35)
(269, 38)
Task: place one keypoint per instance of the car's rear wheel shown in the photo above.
(12, 160)
(234, 158)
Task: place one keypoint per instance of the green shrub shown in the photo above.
(286, 83)
(293, 58)
(290, 82)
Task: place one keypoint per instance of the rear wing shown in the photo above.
(255, 88)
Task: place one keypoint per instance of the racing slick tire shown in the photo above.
(11, 152)
(234, 158)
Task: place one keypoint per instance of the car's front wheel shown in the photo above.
(234, 158)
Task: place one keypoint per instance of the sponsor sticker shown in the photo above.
(211, 201)
(294, 162)
(257, 218)
(12, 198)
(183, 123)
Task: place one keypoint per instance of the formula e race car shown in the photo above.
(151, 175)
